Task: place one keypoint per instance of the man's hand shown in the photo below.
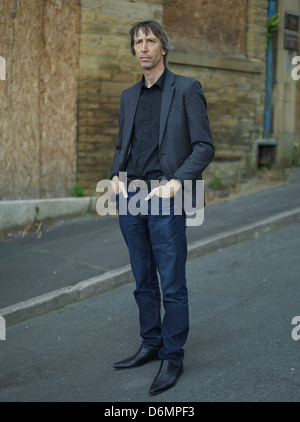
(118, 186)
(169, 190)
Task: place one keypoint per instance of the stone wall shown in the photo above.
(215, 26)
(285, 124)
(40, 42)
(230, 63)
(234, 91)
(106, 68)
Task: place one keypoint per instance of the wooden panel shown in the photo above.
(39, 40)
(58, 101)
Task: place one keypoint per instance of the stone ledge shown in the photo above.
(216, 61)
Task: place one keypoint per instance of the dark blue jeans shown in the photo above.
(157, 245)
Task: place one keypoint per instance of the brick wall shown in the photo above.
(222, 45)
(208, 26)
(106, 68)
(285, 120)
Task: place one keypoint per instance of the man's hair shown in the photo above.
(146, 27)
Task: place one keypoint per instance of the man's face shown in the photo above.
(148, 50)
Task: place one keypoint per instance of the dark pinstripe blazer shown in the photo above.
(185, 140)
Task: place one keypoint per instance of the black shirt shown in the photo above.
(143, 162)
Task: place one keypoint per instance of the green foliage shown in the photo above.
(296, 155)
(272, 27)
(77, 191)
(215, 182)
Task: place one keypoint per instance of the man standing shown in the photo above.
(164, 134)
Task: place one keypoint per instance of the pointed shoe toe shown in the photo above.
(166, 377)
(140, 358)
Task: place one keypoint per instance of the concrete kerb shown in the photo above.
(85, 289)
(18, 213)
(59, 298)
(251, 230)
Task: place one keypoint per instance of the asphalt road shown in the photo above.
(70, 252)
(240, 348)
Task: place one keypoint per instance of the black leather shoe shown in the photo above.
(140, 358)
(166, 377)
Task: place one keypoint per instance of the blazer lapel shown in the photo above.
(130, 111)
(167, 96)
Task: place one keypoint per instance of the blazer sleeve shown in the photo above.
(200, 135)
(116, 159)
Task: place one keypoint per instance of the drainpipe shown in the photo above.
(267, 149)
(269, 78)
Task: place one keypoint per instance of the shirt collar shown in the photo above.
(160, 82)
